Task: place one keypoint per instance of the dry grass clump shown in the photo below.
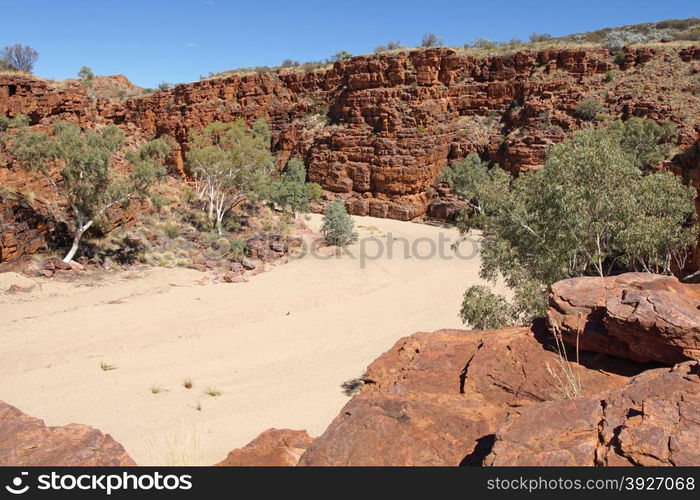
(567, 374)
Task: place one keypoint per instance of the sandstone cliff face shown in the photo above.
(376, 130)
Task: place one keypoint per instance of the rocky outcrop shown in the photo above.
(376, 130)
(273, 447)
(639, 316)
(438, 398)
(25, 228)
(654, 420)
(26, 441)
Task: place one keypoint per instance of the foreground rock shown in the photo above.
(272, 447)
(438, 398)
(654, 420)
(639, 316)
(25, 440)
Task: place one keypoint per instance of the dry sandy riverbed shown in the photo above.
(278, 348)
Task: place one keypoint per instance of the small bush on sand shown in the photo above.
(338, 227)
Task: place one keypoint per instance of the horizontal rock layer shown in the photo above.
(640, 316)
(654, 420)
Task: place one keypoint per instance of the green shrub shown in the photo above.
(237, 248)
(338, 228)
(18, 121)
(484, 310)
(595, 208)
(588, 109)
(341, 55)
(86, 76)
(291, 191)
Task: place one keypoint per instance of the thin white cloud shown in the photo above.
(208, 2)
(190, 44)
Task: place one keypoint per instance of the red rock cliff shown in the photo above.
(376, 130)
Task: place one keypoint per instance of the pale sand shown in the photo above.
(278, 347)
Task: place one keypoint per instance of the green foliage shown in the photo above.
(663, 230)
(17, 121)
(85, 179)
(237, 248)
(590, 210)
(620, 57)
(261, 132)
(229, 163)
(341, 55)
(481, 185)
(291, 191)
(338, 228)
(86, 76)
(588, 109)
(484, 310)
(647, 141)
(314, 192)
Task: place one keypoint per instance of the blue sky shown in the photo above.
(151, 41)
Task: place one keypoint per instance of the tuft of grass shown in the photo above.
(198, 406)
(106, 367)
(212, 392)
(187, 383)
(568, 374)
(157, 389)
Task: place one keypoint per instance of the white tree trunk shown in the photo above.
(76, 242)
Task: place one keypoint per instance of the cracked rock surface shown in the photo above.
(654, 420)
(639, 316)
(438, 398)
